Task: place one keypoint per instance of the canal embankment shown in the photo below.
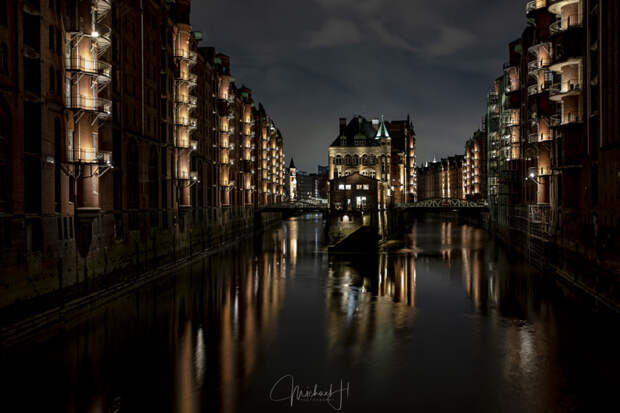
(45, 293)
(580, 271)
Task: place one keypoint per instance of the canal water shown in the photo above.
(446, 320)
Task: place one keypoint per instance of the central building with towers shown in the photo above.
(384, 151)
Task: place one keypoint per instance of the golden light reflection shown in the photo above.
(356, 300)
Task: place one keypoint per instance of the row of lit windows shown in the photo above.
(355, 160)
(347, 187)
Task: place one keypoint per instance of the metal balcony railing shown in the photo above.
(565, 119)
(89, 66)
(89, 156)
(187, 122)
(537, 64)
(567, 23)
(533, 90)
(181, 53)
(89, 103)
(187, 100)
(561, 88)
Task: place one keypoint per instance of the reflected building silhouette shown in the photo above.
(357, 319)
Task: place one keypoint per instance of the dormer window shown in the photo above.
(343, 141)
(360, 141)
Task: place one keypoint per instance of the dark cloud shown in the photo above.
(312, 61)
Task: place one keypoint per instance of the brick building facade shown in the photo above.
(119, 133)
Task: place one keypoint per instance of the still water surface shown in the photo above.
(446, 322)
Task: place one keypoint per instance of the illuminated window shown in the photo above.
(341, 187)
(348, 187)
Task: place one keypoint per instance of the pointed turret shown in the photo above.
(382, 132)
(292, 165)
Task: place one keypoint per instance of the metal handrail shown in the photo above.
(559, 119)
(560, 88)
(558, 26)
(89, 103)
(89, 66)
(531, 5)
(88, 155)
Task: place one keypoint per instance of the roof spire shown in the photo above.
(382, 132)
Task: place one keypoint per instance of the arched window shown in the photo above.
(373, 160)
(347, 160)
(365, 159)
(338, 160)
(356, 160)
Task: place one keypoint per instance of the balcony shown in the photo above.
(92, 67)
(89, 104)
(89, 156)
(535, 137)
(508, 119)
(537, 64)
(187, 122)
(556, 6)
(566, 119)
(189, 100)
(511, 89)
(558, 91)
(569, 23)
(181, 53)
(535, 5)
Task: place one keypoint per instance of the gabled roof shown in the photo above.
(360, 128)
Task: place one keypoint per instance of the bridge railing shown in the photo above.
(442, 203)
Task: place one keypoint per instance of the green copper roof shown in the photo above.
(382, 132)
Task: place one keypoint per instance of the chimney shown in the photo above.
(343, 125)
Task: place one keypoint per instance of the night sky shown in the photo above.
(312, 61)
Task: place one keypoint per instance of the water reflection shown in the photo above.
(442, 317)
